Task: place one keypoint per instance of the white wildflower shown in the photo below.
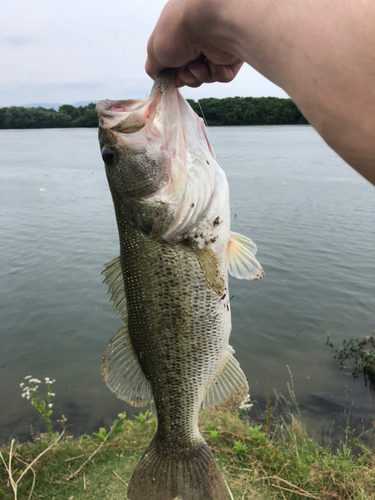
(21, 385)
(23, 395)
(28, 376)
(250, 405)
(48, 380)
(246, 403)
(51, 394)
(50, 405)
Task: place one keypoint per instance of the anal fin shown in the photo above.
(229, 388)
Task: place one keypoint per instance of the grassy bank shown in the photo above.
(266, 461)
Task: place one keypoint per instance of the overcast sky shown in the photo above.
(64, 51)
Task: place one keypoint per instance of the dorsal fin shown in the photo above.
(121, 369)
(122, 372)
(229, 388)
(242, 263)
(114, 280)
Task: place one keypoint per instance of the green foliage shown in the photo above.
(30, 391)
(214, 434)
(228, 111)
(66, 116)
(83, 116)
(248, 111)
(102, 434)
(257, 434)
(142, 417)
(361, 351)
(116, 427)
(120, 425)
(18, 117)
(240, 448)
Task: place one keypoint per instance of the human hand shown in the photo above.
(191, 36)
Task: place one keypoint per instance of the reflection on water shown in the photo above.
(311, 216)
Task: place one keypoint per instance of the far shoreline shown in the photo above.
(230, 111)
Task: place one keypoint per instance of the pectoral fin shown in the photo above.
(230, 387)
(211, 268)
(242, 263)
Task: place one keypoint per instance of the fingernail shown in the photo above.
(188, 78)
(197, 73)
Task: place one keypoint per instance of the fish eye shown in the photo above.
(109, 156)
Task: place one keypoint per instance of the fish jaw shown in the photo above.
(163, 154)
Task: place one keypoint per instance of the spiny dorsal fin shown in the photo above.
(211, 269)
(113, 279)
(229, 388)
(242, 263)
(122, 372)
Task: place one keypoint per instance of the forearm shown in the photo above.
(324, 62)
(321, 52)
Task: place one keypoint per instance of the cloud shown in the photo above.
(68, 51)
(17, 41)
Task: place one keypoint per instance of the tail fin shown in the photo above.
(184, 475)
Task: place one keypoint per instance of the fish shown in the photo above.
(170, 285)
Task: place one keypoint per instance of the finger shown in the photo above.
(199, 71)
(152, 66)
(224, 73)
(185, 77)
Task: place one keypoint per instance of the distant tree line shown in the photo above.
(66, 116)
(228, 111)
(248, 111)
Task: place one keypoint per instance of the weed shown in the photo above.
(117, 426)
(142, 417)
(31, 393)
(362, 351)
(102, 434)
(257, 434)
(240, 448)
(214, 434)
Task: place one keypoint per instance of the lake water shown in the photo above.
(310, 214)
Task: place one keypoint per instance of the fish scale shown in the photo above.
(170, 311)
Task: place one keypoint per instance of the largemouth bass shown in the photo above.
(170, 286)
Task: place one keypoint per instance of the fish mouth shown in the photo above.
(125, 116)
(112, 108)
(131, 115)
